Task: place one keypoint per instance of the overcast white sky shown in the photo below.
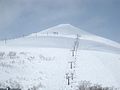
(101, 17)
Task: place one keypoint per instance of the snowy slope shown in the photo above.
(34, 67)
(67, 30)
(57, 36)
(42, 59)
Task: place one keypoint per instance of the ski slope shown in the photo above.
(41, 59)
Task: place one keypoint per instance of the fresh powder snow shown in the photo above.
(58, 59)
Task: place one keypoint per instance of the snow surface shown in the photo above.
(42, 58)
(67, 30)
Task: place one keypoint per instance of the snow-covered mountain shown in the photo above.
(42, 60)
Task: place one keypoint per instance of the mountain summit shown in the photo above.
(65, 29)
(63, 36)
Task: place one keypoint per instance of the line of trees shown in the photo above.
(87, 85)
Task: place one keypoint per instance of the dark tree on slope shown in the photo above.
(86, 85)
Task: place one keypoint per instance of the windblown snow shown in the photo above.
(42, 60)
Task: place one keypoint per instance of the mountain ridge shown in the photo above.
(65, 29)
(68, 29)
(63, 36)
